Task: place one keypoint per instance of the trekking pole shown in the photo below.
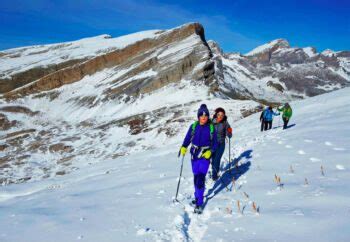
(178, 184)
(229, 151)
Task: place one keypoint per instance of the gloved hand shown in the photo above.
(207, 154)
(183, 151)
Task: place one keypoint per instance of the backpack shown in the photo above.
(211, 126)
(262, 115)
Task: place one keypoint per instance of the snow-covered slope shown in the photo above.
(278, 43)
(130, 198)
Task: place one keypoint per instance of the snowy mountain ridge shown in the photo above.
(275, 44)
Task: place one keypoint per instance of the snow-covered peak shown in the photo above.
(328, 52)
(278, 43)
(310, 51)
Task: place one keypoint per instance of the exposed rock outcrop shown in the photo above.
(147, 54)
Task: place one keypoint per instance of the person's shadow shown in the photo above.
(288, 126)
(226, 178)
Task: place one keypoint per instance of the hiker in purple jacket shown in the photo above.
(203, 137)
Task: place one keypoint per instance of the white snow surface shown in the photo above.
(130, 198)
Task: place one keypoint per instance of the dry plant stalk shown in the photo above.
(278, 180)
(246, 195)
(291, 169)
(255, 209)
(233, 183)
(322, 171)
(229, 209)
(306, 181)
(239, 207)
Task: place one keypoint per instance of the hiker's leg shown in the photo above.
(203, 167)
(265, 125)
(270, 124)
(216, 160)
(285, 122)
(195, 170)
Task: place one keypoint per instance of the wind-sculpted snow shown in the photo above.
(285, 185)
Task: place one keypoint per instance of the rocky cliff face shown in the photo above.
(276, 72)
(181, 53)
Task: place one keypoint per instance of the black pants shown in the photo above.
(285, 122)
(266, 125)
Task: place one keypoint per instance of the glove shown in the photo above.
(229, 130)
(183, 151)
(207, 154)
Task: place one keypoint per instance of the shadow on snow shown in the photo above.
(226, 178)
(288, 126)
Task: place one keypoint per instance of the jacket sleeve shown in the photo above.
(187, 140)
(280, 109)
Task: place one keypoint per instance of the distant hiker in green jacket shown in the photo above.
(287, 114)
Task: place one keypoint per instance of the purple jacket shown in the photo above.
(201, 137)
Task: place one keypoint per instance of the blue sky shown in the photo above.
(237, 25)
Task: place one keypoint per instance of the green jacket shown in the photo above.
(287, 112)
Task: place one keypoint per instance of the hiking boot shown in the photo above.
(198, 209)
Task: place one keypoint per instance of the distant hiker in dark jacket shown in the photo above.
(223, 129)
(266, 118)
(287, 114)
(203, 137)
